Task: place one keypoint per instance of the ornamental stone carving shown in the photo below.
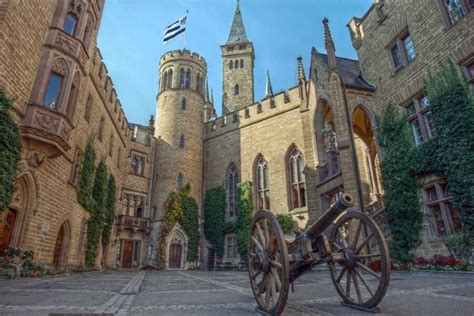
(46, 122)
(60, 66)
(66, 43)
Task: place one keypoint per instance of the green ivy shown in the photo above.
(96, 221)
(401, 196)
(109, 211)
(190, 224)
(10, 152)
(214, 219)
(286, 222)
(86, 175)
(244, 216)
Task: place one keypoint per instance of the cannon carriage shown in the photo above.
(349, 242)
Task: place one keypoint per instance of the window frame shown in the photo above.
(399, 42)
(295, 158)
(59, 92)
(231, 196)
(466, 8)
(74, 176)
(76, 18)
(420, 114)
(262, 176)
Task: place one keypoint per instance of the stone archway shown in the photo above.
(61, 246)
(176, 249)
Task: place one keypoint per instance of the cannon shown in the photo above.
(349, 242)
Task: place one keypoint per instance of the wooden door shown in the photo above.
(127, 252)
(175, 256)
(59, 249)
(210, 259)
(6, 229)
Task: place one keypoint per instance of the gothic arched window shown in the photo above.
(236, 64)
(296, 179)
(236, 90)
(199, 83)
(183, 104)
(181, 78)
(232, 180)
(181, 141)
(263, 192)
(231, 65)
(241, 63)
(179, 182)
(169, 80)
(187, 79)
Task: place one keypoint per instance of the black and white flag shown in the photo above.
(174, 29)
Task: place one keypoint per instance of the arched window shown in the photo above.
(169, 82)
(181, 141)
(241, 63)
(164, 81)
(198, 83)
(231, 65)
(296, 179)
(87, 112)
(232, 180)
(236, 64)
(263, 192)
(187, 80)
(53, 91)
(236, 90)
(181, 78)
(183, 104)
(101, 128)
(70, 23)
(179, 182)
(71, 102)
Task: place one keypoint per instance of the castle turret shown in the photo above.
(237, 67)
(179, 129)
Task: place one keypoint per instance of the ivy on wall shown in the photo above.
(180, 207)
(109, 211)
(286, 222)
(244, 216)
(86, 175)
(214, 219)
(449, 155)
(10, 152)
(402, 199)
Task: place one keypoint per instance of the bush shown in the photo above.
(460, 245)
(286, 222)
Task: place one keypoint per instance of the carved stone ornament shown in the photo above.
(46, 122)
(34, 159)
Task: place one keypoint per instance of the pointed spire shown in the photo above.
(207, 91)
(268, 86)
(237, 31)
(330, 48)
(301, 75)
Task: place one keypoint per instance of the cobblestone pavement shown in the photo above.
(222, 292)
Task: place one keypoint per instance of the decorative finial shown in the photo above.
(330, 48)
(268, 86)
(301, 75)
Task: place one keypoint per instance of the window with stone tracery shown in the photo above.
(232, 180)
(138, 164)
(297, 183)
(181, 78)
(72, 18)
(169, 79)
(262, 188)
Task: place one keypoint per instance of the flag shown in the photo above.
(174, 29)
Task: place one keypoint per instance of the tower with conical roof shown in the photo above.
(237, 67)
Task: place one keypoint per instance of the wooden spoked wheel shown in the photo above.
(268, 263)
(360, 268)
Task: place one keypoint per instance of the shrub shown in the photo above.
(286, 222)
(460, 245)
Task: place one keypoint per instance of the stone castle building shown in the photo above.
(299, 147)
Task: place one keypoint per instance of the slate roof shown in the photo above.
(237, 31)
(350, 73)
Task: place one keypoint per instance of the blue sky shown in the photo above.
(131, 34)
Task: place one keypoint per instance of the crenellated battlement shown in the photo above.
(268, 107)
(183, 54)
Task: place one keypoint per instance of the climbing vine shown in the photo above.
(214, 218)
(180, 207)
(96, 221)
(401, 197)
(86, 175)
(244, 216)
(109, 211)
(10, 152)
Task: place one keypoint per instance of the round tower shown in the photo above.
(179, 128)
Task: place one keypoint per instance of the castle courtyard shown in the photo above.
(222, 292)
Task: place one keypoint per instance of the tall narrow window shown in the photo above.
(88, 110)
(236, 64)
(164, 82)
(232, 180)
(409, 47)
(236, 90)
(181, 141)
(71, 102)
(420, 119)
(263, 192)
(199, 83)
(297, 179)
(101, 128)
(181, 78)
(231, 65)
(75, 167)
(402, 51)
(53, 90)
(111, 144)
(179, 182)
(241, 63)
(169, 82)
(70, 24)
(187, 80)
(396, 56)
(183, 104)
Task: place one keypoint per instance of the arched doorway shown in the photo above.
(60, 249)
(6, 229)
(175, 256)
(367, 157)
(176, 248)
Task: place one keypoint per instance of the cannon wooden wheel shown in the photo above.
(360, 265)
(268, 263)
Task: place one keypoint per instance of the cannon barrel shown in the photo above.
(343, 201)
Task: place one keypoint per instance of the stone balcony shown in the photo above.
(46, 130)
(60, 40)
(329, 169)
(134, 223)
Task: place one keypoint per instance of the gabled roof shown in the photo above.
(350, 73)
(237, 31)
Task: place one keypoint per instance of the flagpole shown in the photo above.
(187, 11)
